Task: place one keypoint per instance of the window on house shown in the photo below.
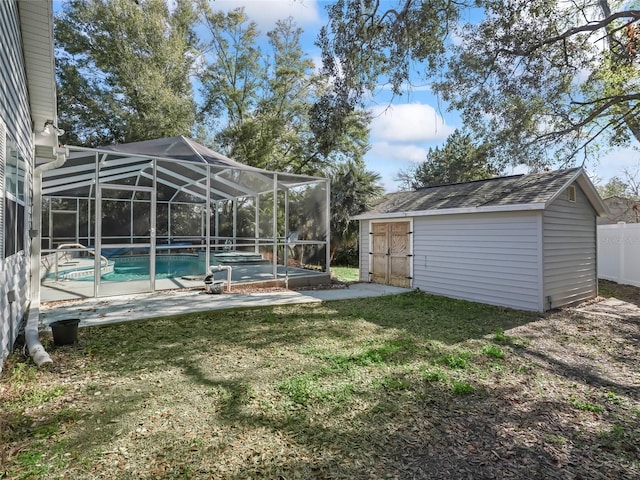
(14, 202)
(572, 193)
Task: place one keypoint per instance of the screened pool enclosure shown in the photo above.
(161, 214)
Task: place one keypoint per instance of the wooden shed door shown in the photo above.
(390, 253)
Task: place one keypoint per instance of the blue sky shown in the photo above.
(402, 131)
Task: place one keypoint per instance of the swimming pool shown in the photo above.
(137, 268)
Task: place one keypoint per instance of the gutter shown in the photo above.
(451, 211)
(32, 339)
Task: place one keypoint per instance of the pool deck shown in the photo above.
(109, 310)
(52, 290)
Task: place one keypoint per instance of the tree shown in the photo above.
(629, 186)
(123, 70)
(232, 82)
(614, 187)
(459, 160)
(540, 81)
(632, 177)
(353, 190)
(264, 99)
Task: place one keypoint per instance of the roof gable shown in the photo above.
(516, 192)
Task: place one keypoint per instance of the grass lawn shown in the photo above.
(345, 274)
(406, 386)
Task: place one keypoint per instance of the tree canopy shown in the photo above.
(264, 96)
(614, 187)
(626, 186)
(354, 189)
(458, 160)
(126, 70)
(123, 70)
(540, 81)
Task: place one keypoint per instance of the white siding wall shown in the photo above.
(492, 258)
(364, 250)
(14, 98)
(15, 113)
(569, 250)
(12, 275)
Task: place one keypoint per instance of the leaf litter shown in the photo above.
(285, 392)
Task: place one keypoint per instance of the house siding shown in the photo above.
(15, 123)
(490, 257)
(364, 250)
(569, 245)
(14, 101)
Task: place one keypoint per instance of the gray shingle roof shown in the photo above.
(534, 188)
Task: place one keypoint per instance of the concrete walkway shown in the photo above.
(101, 311)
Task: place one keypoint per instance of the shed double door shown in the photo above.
(391, 253)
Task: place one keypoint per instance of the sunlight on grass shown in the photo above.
(345, 274)
(264, 365)
(330, 390)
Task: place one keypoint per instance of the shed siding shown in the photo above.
(569, 245)
(364, 250)
(15, 124)
(489, 257)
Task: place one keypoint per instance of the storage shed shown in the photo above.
(524, 241)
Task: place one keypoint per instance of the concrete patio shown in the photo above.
(101, 311)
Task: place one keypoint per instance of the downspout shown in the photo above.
(32, 339)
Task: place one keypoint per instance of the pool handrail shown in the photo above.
(77, 246)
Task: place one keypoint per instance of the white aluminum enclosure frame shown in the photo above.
(209, 185)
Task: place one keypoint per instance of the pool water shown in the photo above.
(137, 268)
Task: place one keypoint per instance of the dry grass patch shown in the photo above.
(409, 386)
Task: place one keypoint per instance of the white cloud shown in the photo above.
(266, 12)
(397, 152)
(409, 122)
(389, 159)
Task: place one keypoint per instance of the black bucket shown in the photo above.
(65, 332)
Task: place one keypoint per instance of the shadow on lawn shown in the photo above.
(408, 428)
(585, 374)
(441, 436)
(501, 435)
(415, 314)
(440, 319)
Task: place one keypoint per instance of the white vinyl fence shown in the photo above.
(619, 253)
